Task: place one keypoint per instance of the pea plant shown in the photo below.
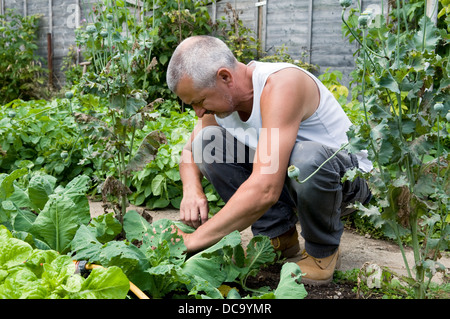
(401, 86)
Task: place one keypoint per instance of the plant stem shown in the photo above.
(394, 226)
(321, 165)
(357, 38)
(420, 273)
(404, 15)
(363, 84)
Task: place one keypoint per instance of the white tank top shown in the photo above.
(328, 125)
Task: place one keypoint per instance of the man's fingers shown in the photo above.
(194, 212)
(195, 218)
(182, 215)
(204, 214)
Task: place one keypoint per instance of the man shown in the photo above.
(254, 121)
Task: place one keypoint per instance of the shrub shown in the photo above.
(21, 75)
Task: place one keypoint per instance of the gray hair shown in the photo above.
(199, 57)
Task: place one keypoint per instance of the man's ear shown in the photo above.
(224, 76)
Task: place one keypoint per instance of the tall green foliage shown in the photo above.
(401, 83)
(128, 49)
(141, 39)
(175, 21)
(20, 71)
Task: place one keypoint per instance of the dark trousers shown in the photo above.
(317, 204)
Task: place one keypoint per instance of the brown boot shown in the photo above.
(287, 243)
(318, 271)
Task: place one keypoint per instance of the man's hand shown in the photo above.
(194, 208)
(186, 240)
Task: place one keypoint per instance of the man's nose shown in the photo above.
(199, 111)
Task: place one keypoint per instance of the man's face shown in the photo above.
(215, 100)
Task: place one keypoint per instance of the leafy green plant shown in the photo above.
(332, 81)
(175, 21)
(72, 71)
(27, 273)
(36, 206)
(149, 38)
(120, 47)
(21, 74)
(160, 266)
(401, 80)
(41, 135)
(55, 219)
(120, 50)
(158, 184)
(239, 38)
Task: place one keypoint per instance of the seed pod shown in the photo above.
(438, 107)
(69, 95)
(345, 3)
(293, 171)
(363, 20)
(91, 29)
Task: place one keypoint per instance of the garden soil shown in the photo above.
(356, 252)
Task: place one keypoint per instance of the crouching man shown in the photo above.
(255, 120)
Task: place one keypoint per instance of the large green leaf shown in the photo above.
(290, 286)
(208, 264)
(20, 198)
(76, 190)
(133, 105)
(158, 184)
(388, 82)
(7, 186)
(164, 279)
(13, 251)
(22, 219)
(58, 222)
(428, 36)
(162, 244)
(115, 253)
(129, 105)
(106, 227)
(86, 245)
(135, 226)
(259, 252)
(105, 283)
(39, 189)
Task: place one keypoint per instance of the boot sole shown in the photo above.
(313, 282)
